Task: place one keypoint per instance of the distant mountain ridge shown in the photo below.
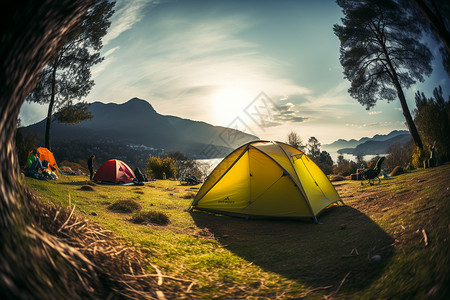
(378, 144)
(136, 122)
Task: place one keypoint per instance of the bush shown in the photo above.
(188, 196)
(150, 217)
(125, 206)
(344, 167)
(398, 155)
(419, 156)
(156, 166)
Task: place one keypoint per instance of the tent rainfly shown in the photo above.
(114, 171)
(46, 155)
(270, 179)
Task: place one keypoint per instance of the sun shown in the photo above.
(229, 103)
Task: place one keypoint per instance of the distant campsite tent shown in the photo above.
(114, 171)
(270, 179)
(45, 154)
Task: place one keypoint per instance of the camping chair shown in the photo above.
(372, 173)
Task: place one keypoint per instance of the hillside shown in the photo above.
(136, 125)
(390, 240)
(377, 144)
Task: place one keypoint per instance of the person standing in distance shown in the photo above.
(91, 165)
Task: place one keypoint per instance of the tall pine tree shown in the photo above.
(381, 53)
(68, 76)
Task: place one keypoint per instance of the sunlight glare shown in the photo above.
(229, 103)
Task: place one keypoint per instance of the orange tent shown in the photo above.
(45, 154)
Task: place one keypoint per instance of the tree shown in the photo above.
(295, 141)
(325, 162)
(381, 53)
(68, 77)
(432, 117)
(436, 13)
(184, 165)
(313, 147)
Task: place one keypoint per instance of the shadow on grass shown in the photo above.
(318, 255)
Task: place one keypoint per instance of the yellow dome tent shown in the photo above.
(270, 179)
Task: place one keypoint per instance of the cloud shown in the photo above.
(127, 13)
(175, 59)
(97, 69)
(377, 124)
(375, 112)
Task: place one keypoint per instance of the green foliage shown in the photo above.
(74, 114)
(432, 117)
(150, 217)
(156, 166)
(325, 162)
(125, 206)
(321, 158)
(419, 156)
(68, 76)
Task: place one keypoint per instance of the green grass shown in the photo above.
(233, 258)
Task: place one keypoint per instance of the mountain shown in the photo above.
(137, 124)
(378, 144)
(341, 143)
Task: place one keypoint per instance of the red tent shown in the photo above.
(115, 171)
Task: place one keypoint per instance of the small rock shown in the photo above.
(343, 226)
(93, 213)
(375, 258)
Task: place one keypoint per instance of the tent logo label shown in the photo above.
(226, 200)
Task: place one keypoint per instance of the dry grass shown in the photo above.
(150, 217)
(125, 206)
(87, 188)
(188, 196)
(90, 262)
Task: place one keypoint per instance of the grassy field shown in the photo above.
(372, 248)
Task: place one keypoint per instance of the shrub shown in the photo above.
(125, 206)
(150, 217)
(398, 155)
(188, 196)
(419, 156)
(87, 188)
(156, 166)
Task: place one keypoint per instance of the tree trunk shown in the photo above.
(50, 109)
(401, 96)
(409, 121)
(29, 39)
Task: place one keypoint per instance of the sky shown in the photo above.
(264, 67)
